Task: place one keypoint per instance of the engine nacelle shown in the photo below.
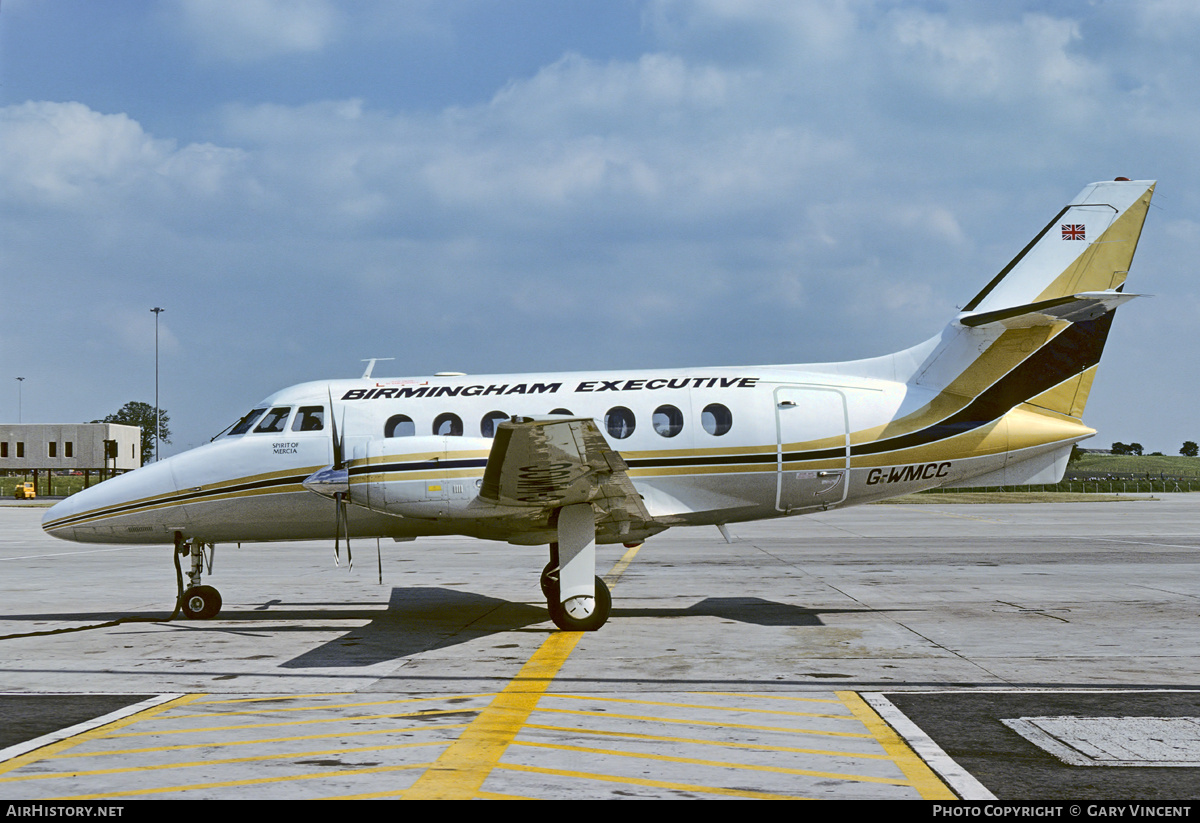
(426, 477)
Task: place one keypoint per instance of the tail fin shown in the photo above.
(1035, 333)
(1087, 247)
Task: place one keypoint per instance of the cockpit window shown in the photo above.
(309, 419)
(275, 420)
(246, 422)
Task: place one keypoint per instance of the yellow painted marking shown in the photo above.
(258, 781)
(275, 698)
(615, 573)
(460, 771)
(261, 741)
(723, 764)
(713, 706)
(326, 706)
(101, 731)
(290, 722)
(923, 778)
(497, 796)
(154, 767)
(658, 784)
(721, 724)
(700, 741)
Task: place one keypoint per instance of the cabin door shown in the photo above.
(813, 447)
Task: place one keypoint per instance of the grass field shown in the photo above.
(1101, 465)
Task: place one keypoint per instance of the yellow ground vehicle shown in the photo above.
(24, 491)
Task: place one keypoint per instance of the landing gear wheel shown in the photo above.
(581, 614)
(201, 603)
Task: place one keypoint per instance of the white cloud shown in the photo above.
(67, 155)
(754, 30)
(245, 31)
(1002, 62)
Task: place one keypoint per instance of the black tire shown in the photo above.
(550, 581)
(599, 616)
(201, 603)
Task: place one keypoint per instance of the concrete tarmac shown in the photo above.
(874, 652)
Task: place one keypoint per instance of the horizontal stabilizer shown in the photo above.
(1074, 308)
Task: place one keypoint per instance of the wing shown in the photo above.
(547, 464)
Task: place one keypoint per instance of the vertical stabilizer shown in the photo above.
(1034, 335)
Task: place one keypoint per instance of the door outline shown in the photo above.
(821, 497)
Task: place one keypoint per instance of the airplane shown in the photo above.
(572, 460)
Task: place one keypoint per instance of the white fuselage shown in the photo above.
(704, 446)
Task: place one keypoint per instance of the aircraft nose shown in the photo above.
(128, 508)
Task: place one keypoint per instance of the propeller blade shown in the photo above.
(337, 529)
(336, 479)
(346, 523)
(338, 457)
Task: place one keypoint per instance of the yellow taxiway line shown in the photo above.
(460, 771)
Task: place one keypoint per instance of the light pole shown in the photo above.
(20, 380)
(157, 311)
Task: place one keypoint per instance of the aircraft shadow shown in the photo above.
(426, 619)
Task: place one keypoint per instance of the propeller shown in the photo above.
(334, 481)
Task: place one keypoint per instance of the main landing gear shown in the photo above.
(197, 602)
(578, 600)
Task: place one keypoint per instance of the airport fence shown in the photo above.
(1113, 486)
(60, 484)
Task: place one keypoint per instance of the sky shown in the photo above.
(530, 185)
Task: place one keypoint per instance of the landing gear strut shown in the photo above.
(197, 602)
(578, 600)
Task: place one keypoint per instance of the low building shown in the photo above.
(46, 449)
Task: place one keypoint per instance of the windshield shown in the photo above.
(243, 425)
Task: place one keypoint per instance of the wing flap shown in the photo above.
(550, 463)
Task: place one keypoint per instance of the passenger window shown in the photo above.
(619, 422)
(716, 419)
(487, 426)
(667, 421)
(309, 419)
(448, 424)
(246, 422)
(275, 420)
(400, 425)
(567, 412)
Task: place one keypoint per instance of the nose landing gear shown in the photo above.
(197, 602)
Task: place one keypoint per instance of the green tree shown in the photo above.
(1190, 449)
(136, 413)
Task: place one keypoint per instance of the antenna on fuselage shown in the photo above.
(371, 365)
